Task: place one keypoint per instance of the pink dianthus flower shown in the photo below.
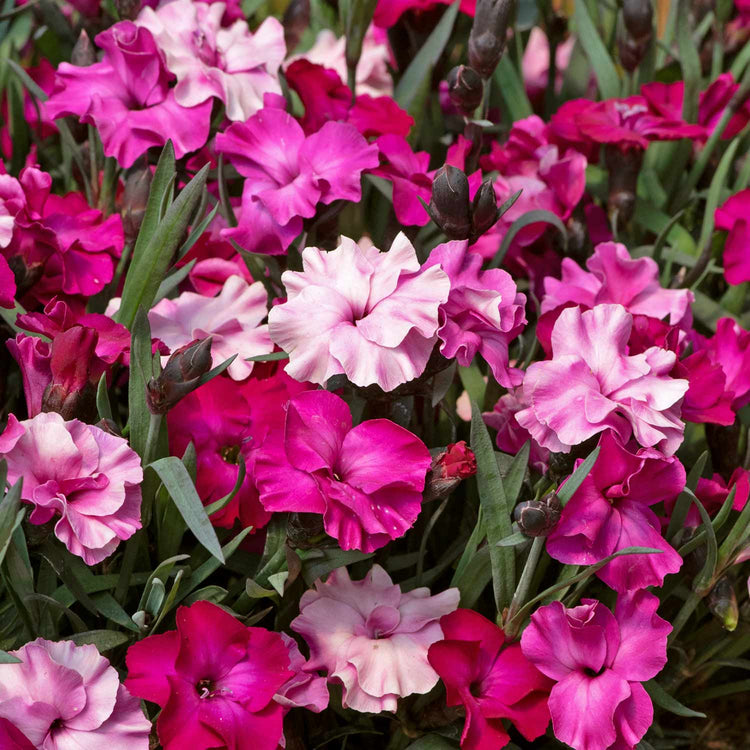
(371, 638)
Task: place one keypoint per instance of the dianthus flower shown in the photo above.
(128, 99)
(304, 689)
(614, 277)
(288, 174)
(232, 319)
(227, 421)
(67, 697)
(371, 638)
(62, 374)
(591, 384)
(598, 661)
(366, 481)
(215, 680)
(231, 64)
(387, 12)
(491, 678)
(611, 511)
(356, 311)
(88, 479)
(12, 738)
(483, 314)
(55, 244)
(734, 215)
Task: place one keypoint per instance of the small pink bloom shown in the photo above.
(366, 481)
(215, 680)
(614, 277)
(288, 174)
(371, 638)
(483, 314)
(231, 64)
(707, 399)
(376, 116)
(510, 435)
(491, 678)
(88, 479)
(304, 689)
(591, 384)
(372, 75)
(457, 462)
(535, 63)
(598, 661)
(67, 697)
(730, 349)
(128, 98)
(372, 316)
(713, 492)
(233, 318)
(734, 215)
(227, 420)
(324, 95)
(611, 511)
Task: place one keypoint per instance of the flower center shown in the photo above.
(476, 689)
(230, 454)
(205, 688)
(589, 672)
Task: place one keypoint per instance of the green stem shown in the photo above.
(522, 590)
(423, 544)
(152, 438)
(683, 616)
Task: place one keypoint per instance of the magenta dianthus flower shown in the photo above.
(598, 661)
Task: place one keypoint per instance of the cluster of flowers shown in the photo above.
(623, 371)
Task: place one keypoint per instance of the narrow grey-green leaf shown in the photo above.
(140, 371)
(178, 483)
(425, 60)
(601, 63)
(6, 658)
(576, 478)
(496, 510)
(664, 700)
(104, 640)
(511, 88)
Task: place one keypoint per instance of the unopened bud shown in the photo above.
(488, 34)
(25, 276)
(484, 210)
(624, 166)
(181, 376)
(296, 20)
(304, 529)
(638, 16)
(83, 53)
(722, 601)
(632, 51)
(465, 88)
(449, 468)
(128, 10)
(449, 207)
(538, 517)
(134, 200)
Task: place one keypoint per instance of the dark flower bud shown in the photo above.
(538, 517)
(484, 210)
(449, 467)
(722, 601)
(488, 34)
(25, 275)
(296, 20)
(303, 529)
(134, 200)
(465, 88)
(449, 207)
(632, 51)
(623, 166)
(181, 376)
(638, 16)
(83, 53)
(128, 10)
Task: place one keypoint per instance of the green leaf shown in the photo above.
(222, 502)
(103, 406)
(540, 216)
(420, 68)
(162, 573)
(272, 357)
(512, 90)
(174, 279)
(664, 700)
(496, 511)
(211, 374)
(150, 263)
(213, 594)
(141, 365)
(575, 480)
(704, 580)
(176, 479)
(11, 515)
(432, 742)
(513, 479)
(195, 234)
(317, 563)
(736, 536)
(473, 382)
(513, 540)
(104, 640)
(690, 62)
(6, 658)
(601, 63)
